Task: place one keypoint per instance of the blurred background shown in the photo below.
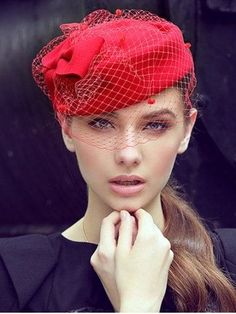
(41, 190)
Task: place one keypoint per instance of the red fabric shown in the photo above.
(114, 64)
(69, 59)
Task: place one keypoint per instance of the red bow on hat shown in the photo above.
(70, 59)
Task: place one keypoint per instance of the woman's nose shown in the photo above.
(128, 156)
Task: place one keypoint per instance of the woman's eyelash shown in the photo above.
(157, 125)
(100, 123)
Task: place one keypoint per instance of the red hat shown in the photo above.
(111, 61)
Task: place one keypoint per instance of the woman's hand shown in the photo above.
(141, 270)
(103, 259)
(133, 268)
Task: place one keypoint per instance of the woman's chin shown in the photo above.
(133, 204)
(130, 206)
(130, 209)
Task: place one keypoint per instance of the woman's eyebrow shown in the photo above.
(147, 116)
(158, 113)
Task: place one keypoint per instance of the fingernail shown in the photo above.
(124, 215)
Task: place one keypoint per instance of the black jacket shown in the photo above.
(40, 273)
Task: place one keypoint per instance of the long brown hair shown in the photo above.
(193, 277)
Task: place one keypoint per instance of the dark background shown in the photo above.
(41, 189)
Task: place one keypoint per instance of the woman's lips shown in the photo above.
(127, 187)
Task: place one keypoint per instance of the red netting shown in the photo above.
(113, 62)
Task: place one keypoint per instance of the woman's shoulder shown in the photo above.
(24, 263)
(224, 243)
(31, 265)
(25, 241)
(36, 248)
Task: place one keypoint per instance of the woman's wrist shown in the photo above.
(139, 306)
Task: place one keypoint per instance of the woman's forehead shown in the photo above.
(169, 102)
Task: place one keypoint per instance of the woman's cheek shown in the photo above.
(164, 161)
(90, 160)
(84, 158)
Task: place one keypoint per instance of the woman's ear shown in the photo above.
(65, 123)
(68, 140)
(188, 131)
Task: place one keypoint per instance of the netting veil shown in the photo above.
(117, 79)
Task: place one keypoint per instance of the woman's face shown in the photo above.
(132, 174)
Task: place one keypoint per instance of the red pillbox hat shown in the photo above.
(111, 61)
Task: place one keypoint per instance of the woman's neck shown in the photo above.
(87, 229)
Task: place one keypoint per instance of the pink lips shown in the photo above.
(127, 185)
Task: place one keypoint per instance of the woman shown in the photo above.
(120, 85)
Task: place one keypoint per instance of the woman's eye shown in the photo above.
(157, 125)
(100, 123)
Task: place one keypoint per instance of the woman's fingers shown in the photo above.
(108, 229)
(146, 226)
(145, 222)
(132, 260)
(134, 229)
(125, 232)
(104, 254)
(143, 218)
(149, 231)
(145, 263)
